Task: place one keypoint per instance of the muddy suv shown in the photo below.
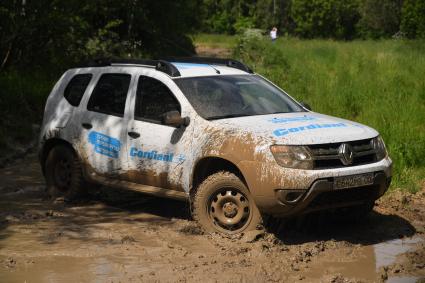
(209, 131)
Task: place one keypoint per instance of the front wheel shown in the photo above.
(222, 203)
(64, 173)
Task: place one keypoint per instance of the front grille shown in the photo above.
(326, 156)
(343, 196)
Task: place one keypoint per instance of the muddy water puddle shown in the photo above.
(74, 269)
(365, 262)
(143, 261)
(387, 252)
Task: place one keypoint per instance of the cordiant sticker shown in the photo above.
(284, 131)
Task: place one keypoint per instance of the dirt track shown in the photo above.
(117, 236)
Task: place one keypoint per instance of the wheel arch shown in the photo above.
(47, 147)
(210, 165)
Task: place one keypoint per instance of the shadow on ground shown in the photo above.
(134, 202)
(373, 229)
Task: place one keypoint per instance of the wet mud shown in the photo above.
(119, 236)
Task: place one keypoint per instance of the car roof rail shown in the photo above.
(166, 65)
(211, 61)
(160, 65)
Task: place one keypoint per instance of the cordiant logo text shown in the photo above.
(153, 154)
(284, 132)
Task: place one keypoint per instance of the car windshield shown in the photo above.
(219, 97)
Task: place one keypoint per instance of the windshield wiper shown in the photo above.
(227, 116)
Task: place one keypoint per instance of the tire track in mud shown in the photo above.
(121, 236)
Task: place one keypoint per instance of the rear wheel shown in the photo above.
(64, 176)
(222, 203)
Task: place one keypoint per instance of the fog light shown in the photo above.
(289, 196)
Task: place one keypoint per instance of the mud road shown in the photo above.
(117, 236)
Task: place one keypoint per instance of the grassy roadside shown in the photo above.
(215, 40)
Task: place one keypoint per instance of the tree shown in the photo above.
(413, 18)
(325, 18)
(59, 32)
(379, 18)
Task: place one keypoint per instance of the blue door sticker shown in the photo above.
(105, 145)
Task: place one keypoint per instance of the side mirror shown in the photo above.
(174, 119)
(306, 105)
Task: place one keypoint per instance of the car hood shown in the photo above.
(300, 128)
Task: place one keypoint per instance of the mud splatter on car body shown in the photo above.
(119, 148)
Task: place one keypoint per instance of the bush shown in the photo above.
(413, 18)
(257, 50)
(243, 24)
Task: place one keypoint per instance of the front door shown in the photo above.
(103, 125)
(156, 152)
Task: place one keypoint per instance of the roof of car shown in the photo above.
(199, 69)
(179, 67)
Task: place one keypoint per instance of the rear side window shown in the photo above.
(153, 100)
(110, 94)
(76, 87)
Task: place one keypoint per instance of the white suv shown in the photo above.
(211, 131)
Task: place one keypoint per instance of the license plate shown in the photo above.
(353, 181)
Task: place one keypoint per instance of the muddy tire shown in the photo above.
(222, 203)
(64, 176)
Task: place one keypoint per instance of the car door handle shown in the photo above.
(134, 135)
(87, 126)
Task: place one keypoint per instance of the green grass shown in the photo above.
(378, 83)
(215, 40)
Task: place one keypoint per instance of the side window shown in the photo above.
(110, 94)
(76, 87)
(153, 99)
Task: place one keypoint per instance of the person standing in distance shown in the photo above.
(273, 34)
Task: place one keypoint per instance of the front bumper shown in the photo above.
(313, 190)
(323, 196)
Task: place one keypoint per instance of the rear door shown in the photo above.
(157, 153)
(103, 124)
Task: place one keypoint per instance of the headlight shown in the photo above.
(379, 147)
(298, 157)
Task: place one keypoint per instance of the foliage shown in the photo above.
(243, 24)
(378, 83)
(325, 18)
(379, 18)
(341, 19)
(59, 32)
(413, 18)
(22, 97)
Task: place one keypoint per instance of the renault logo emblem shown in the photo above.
(345, 152)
